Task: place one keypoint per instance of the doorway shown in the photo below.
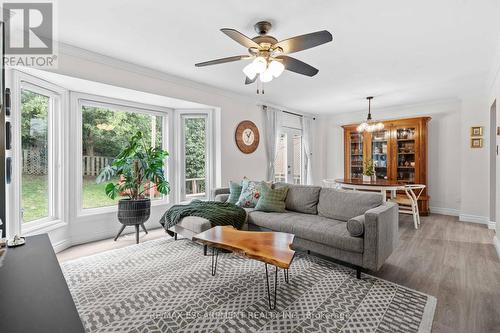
(289, 162)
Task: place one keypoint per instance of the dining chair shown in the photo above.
(409, 204)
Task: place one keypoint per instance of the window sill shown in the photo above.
(42, 227)
(114, 209)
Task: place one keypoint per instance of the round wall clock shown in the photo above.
(247, 137)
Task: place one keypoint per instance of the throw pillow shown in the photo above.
(250, 194)
(234, 192)
(356, 226)
(271, 200)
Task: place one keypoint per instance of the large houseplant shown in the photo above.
(140, 170)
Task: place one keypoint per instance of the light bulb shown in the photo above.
(276, 68)
(259, 65)
(266, 76)
(380, 126)
(249, 71)
(361, 127)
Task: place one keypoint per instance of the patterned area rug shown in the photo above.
(166, 286)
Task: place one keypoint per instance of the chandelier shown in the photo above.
(369, 125)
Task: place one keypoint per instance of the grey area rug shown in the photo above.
(166, 286)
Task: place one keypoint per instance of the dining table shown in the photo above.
(357, 184)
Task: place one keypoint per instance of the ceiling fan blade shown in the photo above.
(240, 38)
(298, 66)
(221, 61)
(248, 81)
(304, 42)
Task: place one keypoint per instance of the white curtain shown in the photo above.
(307, 124)
(273, 118)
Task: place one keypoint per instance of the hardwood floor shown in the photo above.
(454, 261)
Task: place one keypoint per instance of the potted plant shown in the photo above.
(139, 168)
(368, 170)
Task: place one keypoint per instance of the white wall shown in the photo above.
(446, 141)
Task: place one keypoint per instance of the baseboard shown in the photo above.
(474, 219)
(444, 211)
(496, 242)
(60, 246)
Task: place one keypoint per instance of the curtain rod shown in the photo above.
(292, 113)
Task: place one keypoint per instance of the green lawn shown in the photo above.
(35, 199)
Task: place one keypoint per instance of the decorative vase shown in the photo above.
(134, 212)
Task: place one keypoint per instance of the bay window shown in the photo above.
(105, 131)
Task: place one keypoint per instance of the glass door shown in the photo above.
(406, 152)
(380, 155)
(356, 155)
(289, 162)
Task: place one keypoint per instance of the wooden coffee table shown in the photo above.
(271, 248)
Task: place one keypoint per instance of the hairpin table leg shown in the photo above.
(215, 253)
(272, 306)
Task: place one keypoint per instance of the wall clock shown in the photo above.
(247, 137)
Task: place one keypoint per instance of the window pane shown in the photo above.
(105, 132)
(280, 163)
(297, 159)
(195, 154)
(35, 155)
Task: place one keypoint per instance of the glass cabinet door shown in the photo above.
(356, 155)
(406, 162)
(380, 141)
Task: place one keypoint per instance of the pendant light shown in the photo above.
(369, 125)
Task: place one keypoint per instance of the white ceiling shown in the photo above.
(402, 52)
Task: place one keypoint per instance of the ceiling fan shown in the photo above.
(269, 55)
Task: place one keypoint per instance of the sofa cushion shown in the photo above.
(301, 198)
(311, 227)
(343, 205)
(234, 192)
(271, 199)
(356, 226)
(250, 194)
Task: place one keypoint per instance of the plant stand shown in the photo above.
(136, 231)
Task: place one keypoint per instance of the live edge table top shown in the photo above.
(269, 247)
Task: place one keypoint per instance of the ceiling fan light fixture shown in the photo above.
(249, 71)
(266, 76)
(259, 65)
(276, 68)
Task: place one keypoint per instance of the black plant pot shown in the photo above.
(133, 212)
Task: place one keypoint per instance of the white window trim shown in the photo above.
(210, 157)
(57, 177)
(79, 99)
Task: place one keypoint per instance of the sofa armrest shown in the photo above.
(381, 234)
(221, 197)
(217, 191)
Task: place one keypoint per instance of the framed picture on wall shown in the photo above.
(476, 131)
(476, 143)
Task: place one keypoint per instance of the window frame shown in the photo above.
(56, 147)
(78, 100)
(180, 154)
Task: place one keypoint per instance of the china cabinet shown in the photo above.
(398, 151)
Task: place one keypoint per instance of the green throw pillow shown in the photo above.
(271, 200)
(234, 192)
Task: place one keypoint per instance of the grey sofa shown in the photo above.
(320, 217)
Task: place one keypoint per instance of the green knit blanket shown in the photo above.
(218, 213)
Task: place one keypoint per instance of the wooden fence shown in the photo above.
(92, 165)
(35, 162)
